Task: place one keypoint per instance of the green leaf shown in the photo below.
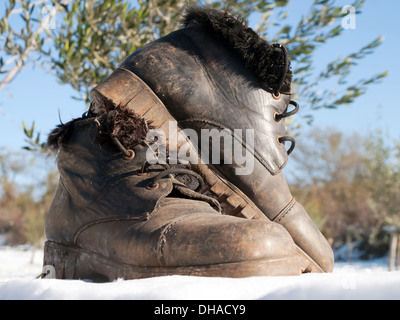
(37, 139)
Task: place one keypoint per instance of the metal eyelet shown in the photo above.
(276, 95)
(129, 156)
(277, 117)
(152, 186)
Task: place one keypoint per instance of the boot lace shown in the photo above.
(172, 172)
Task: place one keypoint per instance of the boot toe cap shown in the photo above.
(224, 239)
(199, 238)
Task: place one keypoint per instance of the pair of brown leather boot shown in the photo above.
(128, 208)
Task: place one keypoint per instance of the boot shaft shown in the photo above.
(195, 73)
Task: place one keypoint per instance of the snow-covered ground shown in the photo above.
(359, 280)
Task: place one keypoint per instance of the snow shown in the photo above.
(359, 280)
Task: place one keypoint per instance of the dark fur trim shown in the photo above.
(122, 123)
(62, 130)
(128, 127)
(269, 63)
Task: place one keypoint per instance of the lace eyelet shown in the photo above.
(277, 117)
(280, 142)
(276, 95)
(131, 155)
(152, 186)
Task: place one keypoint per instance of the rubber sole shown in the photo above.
(124, 89)
(75, 263)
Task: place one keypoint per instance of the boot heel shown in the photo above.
(59, 261)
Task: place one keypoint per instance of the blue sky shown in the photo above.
(37, 96)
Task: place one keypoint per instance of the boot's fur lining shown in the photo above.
(128, 127)
(268, 62)
(62, 130)
(121, 123)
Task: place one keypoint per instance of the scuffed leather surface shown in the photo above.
(194, 234)
(102, 206)
(204, 86)
(200, 81)
(96, 183)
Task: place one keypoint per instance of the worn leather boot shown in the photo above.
(116, 216)
(217, 73)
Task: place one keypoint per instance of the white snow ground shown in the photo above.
(356, 281)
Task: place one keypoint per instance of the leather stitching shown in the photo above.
(285, 210)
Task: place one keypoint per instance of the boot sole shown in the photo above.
(113, 93)
(76, 263)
